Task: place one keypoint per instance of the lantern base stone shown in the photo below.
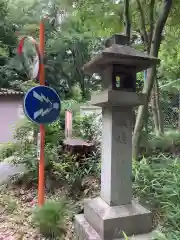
(103, 222)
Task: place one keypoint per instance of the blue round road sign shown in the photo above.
(42, 105)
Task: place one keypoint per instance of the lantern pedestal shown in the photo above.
(102, 222)
(114, 212)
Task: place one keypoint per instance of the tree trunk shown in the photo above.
(127, 22)
(141, 115)
(155, 45)
(179, 114)
(159, 109)
(154, 111)
(146, 117)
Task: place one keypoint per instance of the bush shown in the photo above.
(89, 127)
(70, 168)
(71, 171)
(51, 218)
(27, 154)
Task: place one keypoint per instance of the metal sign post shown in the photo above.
(41, 104)
(38, 146)
(42, 129)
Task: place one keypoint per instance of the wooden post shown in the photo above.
(68, 124)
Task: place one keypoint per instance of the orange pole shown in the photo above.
(41, 180)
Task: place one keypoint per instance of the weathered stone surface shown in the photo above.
(116, 39)
(109, 222)
(85, 231)
(116, 155)
(105, 218)
(109, 98)
(8, 170)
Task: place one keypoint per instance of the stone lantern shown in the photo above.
(114, 212)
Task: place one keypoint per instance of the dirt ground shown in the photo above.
(16, 208)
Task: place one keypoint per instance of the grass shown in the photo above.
(157, 184)
(168, 143)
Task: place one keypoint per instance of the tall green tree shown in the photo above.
(151, 33)
(7, 45)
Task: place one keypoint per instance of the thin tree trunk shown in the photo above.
(141, 116)
(155, 45)
(143, 23)
(154, 111)
(159, 109)
(155, 103)
(151, 20)
(146, 118)
(127, 22)
(179, 114)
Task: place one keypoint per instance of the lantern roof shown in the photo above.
(118, 52)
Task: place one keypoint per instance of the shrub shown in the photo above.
(89, 127)
(51, 218)
(26, 135)
(72, 171)
(25, 131)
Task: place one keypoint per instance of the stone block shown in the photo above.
(111, 221)
(84, 231)
(110, 98)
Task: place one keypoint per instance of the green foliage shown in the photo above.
(105, 16)
(88, 127)
(23, 86)
(157, 183)
(51, 218)
(26, 134)
(7, 150)
(169, 142)
(59, 166)
(7, 45)
(71, 169)
(9, 204)
(70, 43)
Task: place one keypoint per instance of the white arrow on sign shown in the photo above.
(41, 97)
(41, 112)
